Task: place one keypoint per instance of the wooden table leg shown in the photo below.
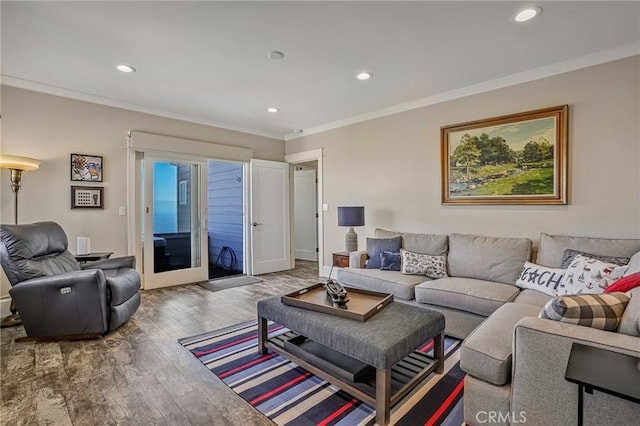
(383, 396)
(262, 335)
(438, 352)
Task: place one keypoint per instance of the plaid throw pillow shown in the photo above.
(602, 311)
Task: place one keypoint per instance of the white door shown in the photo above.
(175, 249)
(269, 219)
(305, 214)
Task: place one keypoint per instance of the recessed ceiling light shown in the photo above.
(125, 68)
(527, 14)
(364, 75)
(273, 109)
(276, 54)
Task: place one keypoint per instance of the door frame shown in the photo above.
(303, 157)
(138, 143)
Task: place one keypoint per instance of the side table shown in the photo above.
(341, 259)
(92, 257)
(598, 369)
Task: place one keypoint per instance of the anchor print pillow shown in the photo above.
(586, 275)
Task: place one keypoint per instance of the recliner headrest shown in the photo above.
(33, 240)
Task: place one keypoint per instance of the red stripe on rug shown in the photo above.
(339, 411)
(281, 387)
(447, 402)
(426, 347)
(248, 364)
(235, 342)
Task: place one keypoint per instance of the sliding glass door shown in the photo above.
(174, 223)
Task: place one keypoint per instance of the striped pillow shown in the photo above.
(602, 311)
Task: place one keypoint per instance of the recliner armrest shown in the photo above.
(115, 263)
(357, 259)
(65, 304)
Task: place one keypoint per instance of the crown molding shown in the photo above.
(116, 103)
(597, 58)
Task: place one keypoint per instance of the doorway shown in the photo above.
(305, 211)
(225, 231)
(314, 157)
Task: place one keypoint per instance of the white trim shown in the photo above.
(301, 157)
(36, 86)
(499, 83)
(5, 303)
(143, 141)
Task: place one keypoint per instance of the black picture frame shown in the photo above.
(86, 168)
(87, 197)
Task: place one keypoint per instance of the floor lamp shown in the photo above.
(16, 166)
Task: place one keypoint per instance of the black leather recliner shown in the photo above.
(55, 295)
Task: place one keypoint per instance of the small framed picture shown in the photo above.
(87, 197)
(86, 168)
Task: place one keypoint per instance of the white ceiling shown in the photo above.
(207, 61)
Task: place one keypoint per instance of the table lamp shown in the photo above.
(351, 216)
(16, 166)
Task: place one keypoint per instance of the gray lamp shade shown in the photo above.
(350, 216)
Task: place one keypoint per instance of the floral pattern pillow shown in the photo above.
(423, 264)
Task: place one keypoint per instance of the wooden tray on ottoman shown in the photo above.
(361, 306)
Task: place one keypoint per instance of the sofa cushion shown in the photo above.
(487, 258)
(532, 297)
(630, 322)
(552, 247)
(432, 244)
(391, 282)
(486, 353)
(466, 294)
(377, 245)
(601, 311)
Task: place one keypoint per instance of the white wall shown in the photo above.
(50, 128)
(391, 165)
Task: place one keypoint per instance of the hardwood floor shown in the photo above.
(139, 374)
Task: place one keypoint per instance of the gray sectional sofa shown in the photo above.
(515, 361)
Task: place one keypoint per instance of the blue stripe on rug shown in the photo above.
(289, 395)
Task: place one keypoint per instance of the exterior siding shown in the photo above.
(225, 212)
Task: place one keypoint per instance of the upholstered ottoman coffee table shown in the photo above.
(381, 342)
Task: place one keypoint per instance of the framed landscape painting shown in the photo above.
(513, 159)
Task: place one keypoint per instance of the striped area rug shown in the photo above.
(290, 395)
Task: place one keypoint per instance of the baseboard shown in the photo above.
(5, 303)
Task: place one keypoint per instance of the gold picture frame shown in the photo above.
(512, 159)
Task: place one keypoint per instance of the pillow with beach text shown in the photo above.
(540, 278)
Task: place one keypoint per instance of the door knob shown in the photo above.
(256, 224)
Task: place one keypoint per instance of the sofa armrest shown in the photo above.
(115, 263)
(64, 304)
(539, 389)
(357, 259)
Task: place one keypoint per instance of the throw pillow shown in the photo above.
(423, 264)
(569, 255)
(541, 278)
(588, 275)
(376, 245)
(634, 264)
(390, 261)
(602, 311)
(625, 283)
